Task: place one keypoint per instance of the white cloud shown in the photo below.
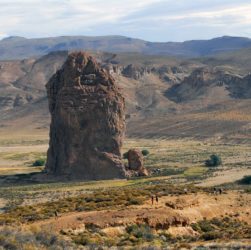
(148, 19)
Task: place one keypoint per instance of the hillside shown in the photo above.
(21, 48)
(165, 96)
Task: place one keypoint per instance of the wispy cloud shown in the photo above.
(155, 20)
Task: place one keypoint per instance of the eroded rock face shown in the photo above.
(87, 121)
(135, 71)
(136, 162)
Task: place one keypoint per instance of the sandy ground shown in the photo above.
(24, 149)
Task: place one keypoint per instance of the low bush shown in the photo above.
(222, 228)
(205, 226)
(211, 236)
(145, 152)
(39, 163)
(246, 180)
(17, 238)
(134, 201)
(141, 232)
(214, 161)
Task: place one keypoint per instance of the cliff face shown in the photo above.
(87, 121)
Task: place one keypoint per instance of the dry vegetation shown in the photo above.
(119, 212)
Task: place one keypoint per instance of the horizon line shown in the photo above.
(135, 38)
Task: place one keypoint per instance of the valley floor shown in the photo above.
(119, 212)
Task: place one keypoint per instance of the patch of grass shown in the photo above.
(168, 171)
(195, 173)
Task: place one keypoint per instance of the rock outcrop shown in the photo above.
(87, 121)
(135, 71)
(203, 81)
(136, 163)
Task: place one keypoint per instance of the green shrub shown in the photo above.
(82, 240)
(205, 226)
(38, 163)
(145, 152)
(195, 227)
(140, 232)
(134, 202)
(214, 161)
(246, 180)
(211, 235)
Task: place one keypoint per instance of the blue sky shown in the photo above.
(152, 20)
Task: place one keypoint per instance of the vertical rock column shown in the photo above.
(87, 121)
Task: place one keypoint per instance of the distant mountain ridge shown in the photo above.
(20, 48)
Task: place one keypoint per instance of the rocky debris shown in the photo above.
(136, 163)
(87, 121)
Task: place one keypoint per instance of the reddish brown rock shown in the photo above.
(136, 162)
(87, 121)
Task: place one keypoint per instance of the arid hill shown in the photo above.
(165, 96)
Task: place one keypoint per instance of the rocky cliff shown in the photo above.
(87, 121)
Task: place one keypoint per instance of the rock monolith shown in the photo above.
(87, 121)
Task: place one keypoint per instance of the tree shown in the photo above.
(214, 161)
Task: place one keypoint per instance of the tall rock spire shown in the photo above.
(87, 121)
